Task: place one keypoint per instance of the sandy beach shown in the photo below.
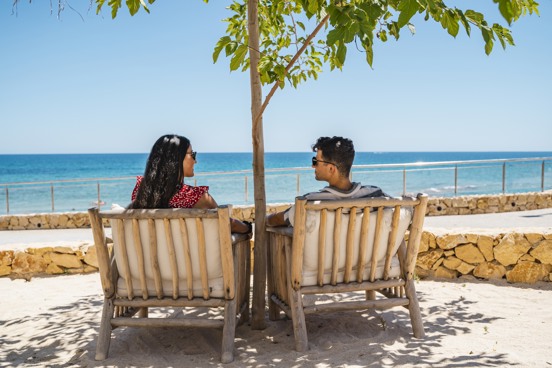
(53, 321)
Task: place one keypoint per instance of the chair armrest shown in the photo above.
(281, 230)
(237, 237)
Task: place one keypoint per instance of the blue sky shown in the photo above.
(100, 85)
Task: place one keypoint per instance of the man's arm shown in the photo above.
(277, 219)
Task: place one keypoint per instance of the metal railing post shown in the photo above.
(455, 179)
(404, 181)
(7, 200)
(99, 196)
(52, 195)
(503, 178)
(245, 188)
(542, 177)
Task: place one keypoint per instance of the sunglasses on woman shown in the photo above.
(193, 154)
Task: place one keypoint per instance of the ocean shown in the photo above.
(72, 182)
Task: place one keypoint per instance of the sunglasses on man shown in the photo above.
(315, 162)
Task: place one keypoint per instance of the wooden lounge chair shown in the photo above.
(171, 258)
(330, 251)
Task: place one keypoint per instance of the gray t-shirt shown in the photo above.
(328, 193)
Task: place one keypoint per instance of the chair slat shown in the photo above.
(364, 227)
(391, 241)
(202, 258)
(349, 245)
(298, 244)
(125, 266)
(336, 249)
(140, 256)
(375, 249)
(225, 242)
(155, 259)
(172, 256)
(187, 258)
(322, 246)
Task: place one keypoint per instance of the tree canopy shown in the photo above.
(283, 29)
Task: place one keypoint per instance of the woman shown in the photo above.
(162, 186)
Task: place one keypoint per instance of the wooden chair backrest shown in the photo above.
(169, 253)
(331, 246)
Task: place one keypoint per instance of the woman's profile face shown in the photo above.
(189, 163)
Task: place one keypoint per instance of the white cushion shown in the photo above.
(310, 257)
(214, 266)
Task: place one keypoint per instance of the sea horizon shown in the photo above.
(67, 182)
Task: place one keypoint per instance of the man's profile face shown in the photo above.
(321, 170)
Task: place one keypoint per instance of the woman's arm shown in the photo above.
(208, 202)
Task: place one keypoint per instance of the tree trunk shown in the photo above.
(259, 271)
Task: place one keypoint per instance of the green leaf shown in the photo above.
(506, 10)
(225, 40)
(450, 23)
(407, 8)
(238, 57)
(341, 54)
(335, 35)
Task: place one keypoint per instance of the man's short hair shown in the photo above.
(338, 150)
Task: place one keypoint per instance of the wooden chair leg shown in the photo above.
(104, 336)
(414, 309)
(143, 312)
(229, 331)
(296, 307)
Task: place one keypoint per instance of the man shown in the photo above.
(333, 161)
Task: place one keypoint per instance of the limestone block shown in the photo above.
(452, 263)
(526, 258)
(449, 253)
(63, 219)
(14, 221)
(471, 238)
(91, 257)
(65, 260)
(54, 269)
(533, 237)
(469, 253)
(6, 257)
(421, 273)
(511, 248)
(482, 204)
(493, 201)
(72, 271)
(489, 270)
(24, 221)
(5, 270)
(88, 269)
(427, 242)
(28, 263)
(528, 272)
(485, 244)
(437, 263)
(64, 250)
(464, 211)
(445, 273)
(450, 241)
(428, 259)
(39, 251)
(543, 252)
(465, 268)
(459, 202)
(547, 236)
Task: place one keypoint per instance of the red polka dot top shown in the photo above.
(186, 197)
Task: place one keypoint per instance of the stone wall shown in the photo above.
(518, 257)
(48, 261)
